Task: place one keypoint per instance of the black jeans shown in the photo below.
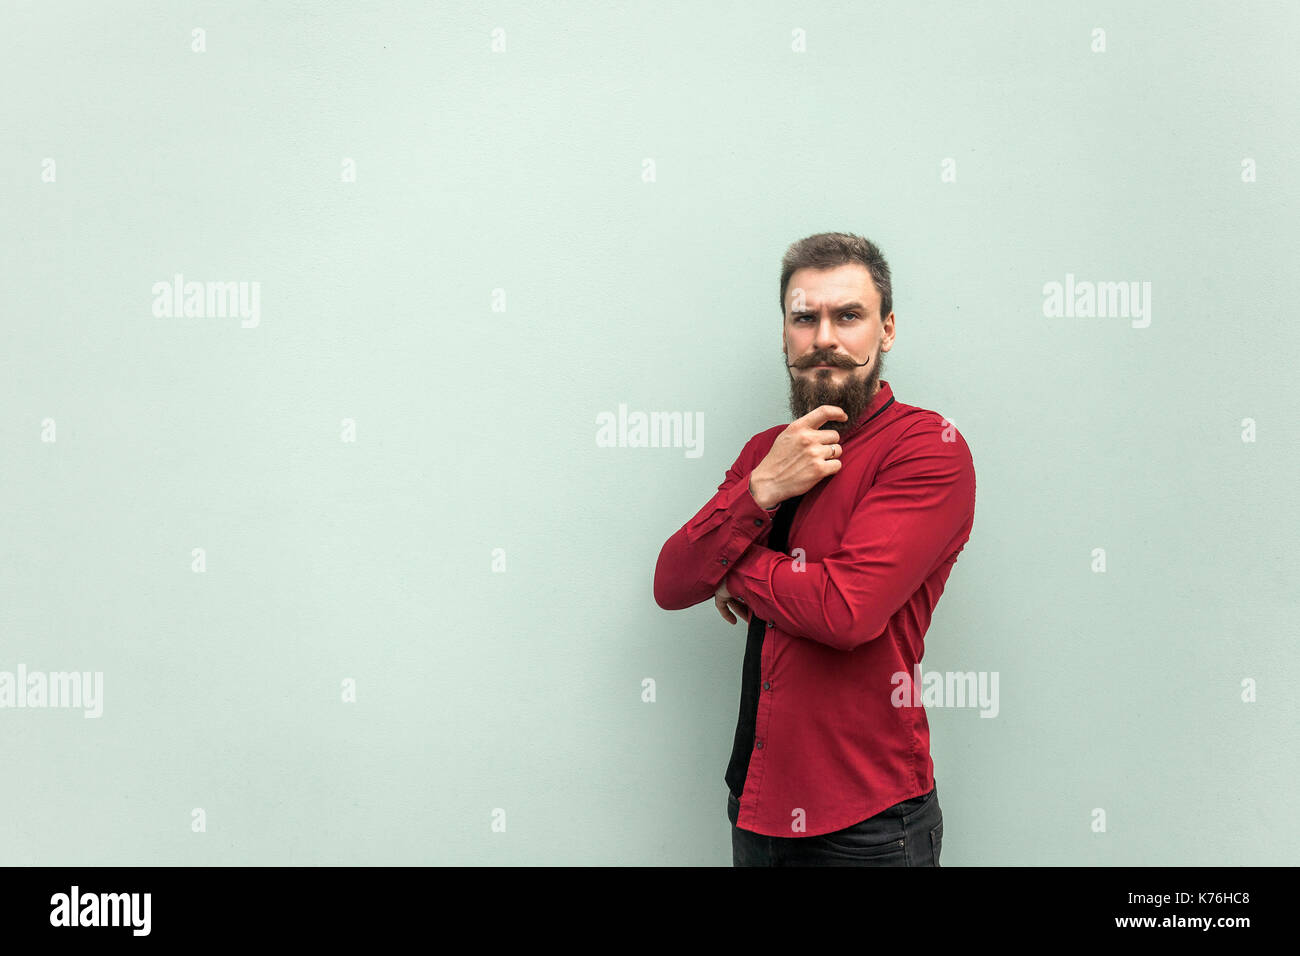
(907, 834)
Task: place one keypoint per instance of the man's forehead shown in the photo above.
(815, 296)
(848, 281)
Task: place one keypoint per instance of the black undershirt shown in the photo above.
(738, 768)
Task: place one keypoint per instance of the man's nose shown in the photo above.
(825, 338)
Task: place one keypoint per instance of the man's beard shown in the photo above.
(807, 391)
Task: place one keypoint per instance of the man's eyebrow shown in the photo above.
(839, 308)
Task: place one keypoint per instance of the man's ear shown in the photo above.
(893, 332)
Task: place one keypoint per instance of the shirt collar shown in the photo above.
(882, 399)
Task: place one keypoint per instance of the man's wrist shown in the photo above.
(760, 497)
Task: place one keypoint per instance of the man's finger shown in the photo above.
(740, 608)
(824, 413)
(724, 610)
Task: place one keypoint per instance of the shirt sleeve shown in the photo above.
(920, 507)
(693, 562)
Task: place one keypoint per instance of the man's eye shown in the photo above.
(801, 318)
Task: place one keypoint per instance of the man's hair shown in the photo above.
(826, 250)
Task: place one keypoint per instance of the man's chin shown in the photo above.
(804, 397)
(804, 402)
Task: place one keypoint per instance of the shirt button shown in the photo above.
(767, 685)
(724, 560)
(769, 624)
(758, 521)
(758, 744)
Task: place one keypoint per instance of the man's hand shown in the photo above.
(801, 456)
(726, 604)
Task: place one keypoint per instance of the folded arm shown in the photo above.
(693, 562)
(920, 507)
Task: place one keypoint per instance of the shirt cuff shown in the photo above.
(750, 580)
(749, 523)
(742, 504)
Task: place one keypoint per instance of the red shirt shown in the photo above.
(878, 541)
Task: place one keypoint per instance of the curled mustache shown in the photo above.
(828, 361)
